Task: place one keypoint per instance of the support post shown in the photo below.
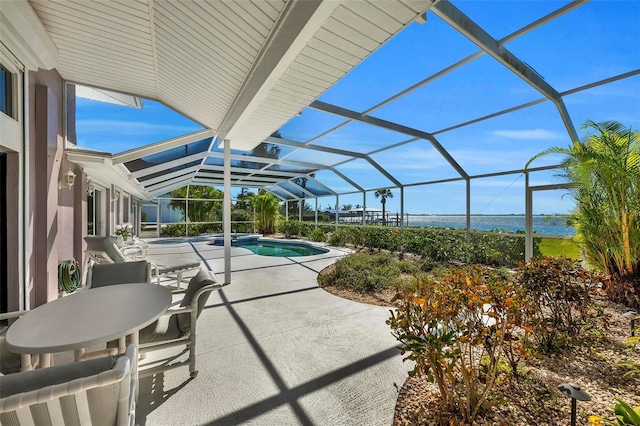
(300, 209)
(316, 221)
(364, 208)
(401, 208)
(226, 212)
(468, 225)
(337, 205)
(158, 218)
(186, 215)
(528, 219)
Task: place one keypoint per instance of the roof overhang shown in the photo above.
(100, 166)
(241, 69)
(25, 36)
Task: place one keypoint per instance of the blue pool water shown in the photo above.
(281, 248)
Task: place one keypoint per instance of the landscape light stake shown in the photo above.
(574, 392)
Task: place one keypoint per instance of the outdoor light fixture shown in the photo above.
(116, 195)
(90, 187)
(574, 392)
(68, 179)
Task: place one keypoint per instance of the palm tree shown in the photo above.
(266, 206)
(383, 194)
(605, 168)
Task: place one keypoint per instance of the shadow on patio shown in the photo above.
(273, 348)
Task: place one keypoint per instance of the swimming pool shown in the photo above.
(278, 248)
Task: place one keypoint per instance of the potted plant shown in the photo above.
(124, 231)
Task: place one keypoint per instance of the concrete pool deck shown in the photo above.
(275, 349)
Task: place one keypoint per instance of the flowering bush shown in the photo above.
(559, 290)
(454, 329)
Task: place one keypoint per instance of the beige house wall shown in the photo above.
(51, 217)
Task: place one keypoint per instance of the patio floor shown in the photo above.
(275, 349)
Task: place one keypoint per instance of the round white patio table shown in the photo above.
(87, 318)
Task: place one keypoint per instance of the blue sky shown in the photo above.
(593, 42)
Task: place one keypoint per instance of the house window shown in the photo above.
(6, 91)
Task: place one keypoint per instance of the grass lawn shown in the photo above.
(557, 247)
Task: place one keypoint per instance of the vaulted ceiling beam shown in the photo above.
(446, 11)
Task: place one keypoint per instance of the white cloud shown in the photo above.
(136, 127)
(532, 134)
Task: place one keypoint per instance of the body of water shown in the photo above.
(542, 224)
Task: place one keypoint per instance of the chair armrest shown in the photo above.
(99, 353)
(183, 310)
(196, 297)
(10, 315)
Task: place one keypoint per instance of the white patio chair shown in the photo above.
(99, 275)
(177, 327)
(100, 391)
(104, 250)
(134, 248)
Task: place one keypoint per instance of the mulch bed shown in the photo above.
(533, 398)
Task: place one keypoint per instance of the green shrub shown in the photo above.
(366, 272)
(241, 221)
(195, 229)
(454, 329)
(500, 250)
(318, 235)
(295, 228)
(338, 238)
(558, 289)
(438, 245)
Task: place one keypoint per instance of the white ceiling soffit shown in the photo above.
(108, 96)
(212, 60)
(99, 166)
(352, 31)
(23, 34)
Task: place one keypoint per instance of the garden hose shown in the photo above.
(69, 276)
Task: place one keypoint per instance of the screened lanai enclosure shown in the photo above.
(445, 114)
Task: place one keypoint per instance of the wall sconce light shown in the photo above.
(90, 187)
(116, 195)
(68, 179)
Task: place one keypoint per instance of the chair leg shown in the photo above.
(26, 362)
(78, 354)
(192, 356)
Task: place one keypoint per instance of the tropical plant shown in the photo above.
(266, 206)
(558, 290)
(198, 211)
(605, 169)
(454, 329)
(383, 194)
